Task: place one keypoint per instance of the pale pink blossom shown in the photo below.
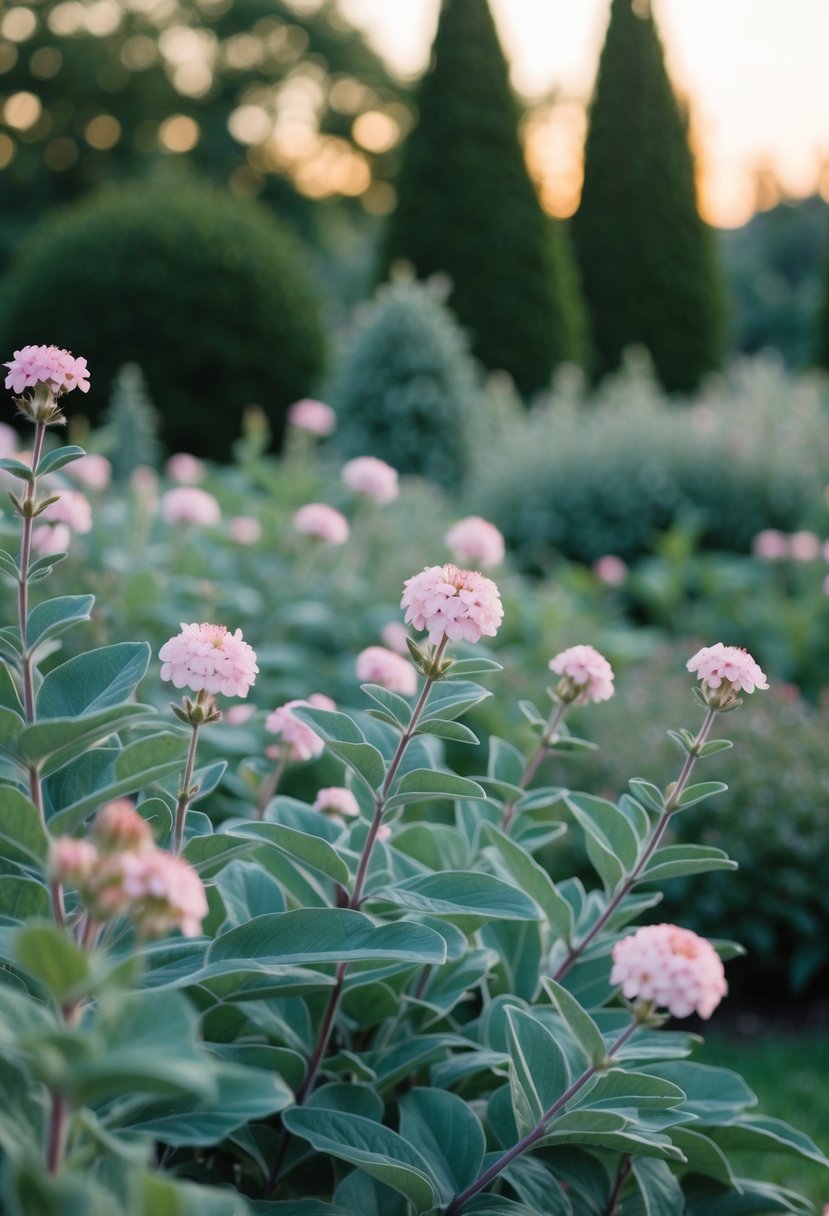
(145, 482)
(610, 570)
(384, 832)
(394, 635)
(770, 545)
(118, 827)
(586, 675)
(245, 530)
(315, 417)
(297, 740)
(187, 470)
(475, 541)
(208, 657)
(48, 539)
(92, 470)
(377, 665)
(72, 508)
(804, 546)
(337, 800)
(190, 505)
(452, 603)
(238, 715)
(324, 523)
(372, 478)
(725, 670)
(165, 893)
(72, 861)
(826, 585)
(48, 365)
(671, 967)
(8, 440)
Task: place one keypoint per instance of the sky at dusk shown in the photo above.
(756, 73)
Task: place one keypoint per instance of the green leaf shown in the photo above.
(505, 762)
(23, 899)
(9, 696)
(398, 707)
(703, 1156)
(57, 458)
(330, 724)
(374, 1148)
(761, 1134)
(578, 1021)
(309, 850)
(49, 954)
(422, 784)
(659, 1188)
(679, 859)
(532, 879)
(43, 565)
(442, 1127)
(648, 794)
(327, 935)
(364, 759)
(539, 1074)
(23, 836)
(612, 844)
(619, 1089)
(11, 724)
(55, 616)
(449, 699)
(8, 565)
(51, 743)
(696, 793)
(714, 1095)
(93, 681)
(471, 667)
(443, 728)
(17, 468)
(460, 893)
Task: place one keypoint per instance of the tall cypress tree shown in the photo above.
(468, 208)
(647, 260)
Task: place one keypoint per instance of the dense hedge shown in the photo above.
(205, 291)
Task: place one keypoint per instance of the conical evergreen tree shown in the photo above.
(648, 262)
(468, 208)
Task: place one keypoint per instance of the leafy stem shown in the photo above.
(531, 768)
(186, 792)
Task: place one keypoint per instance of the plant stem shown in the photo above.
(23, 580)
(535, 1134)
(622, 1175)
(671, 804)
(269, 787)
(185, 793)
(532, 765)
(58, 1128)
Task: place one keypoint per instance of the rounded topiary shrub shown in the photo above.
(407, 385)
(205, 291)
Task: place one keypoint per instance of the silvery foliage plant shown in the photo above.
(398, 1009)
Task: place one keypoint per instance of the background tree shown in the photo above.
(467, 208)
(648, 262)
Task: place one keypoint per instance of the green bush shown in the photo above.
(406, 386)
(204, 290)
(609, 475)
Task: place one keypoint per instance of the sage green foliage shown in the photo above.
(205, 291)
(647, 260)
(132, 423)
(406, 387)
(467, 208)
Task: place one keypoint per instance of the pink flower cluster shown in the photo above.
(48, 365)
(377, 665)
(771, 545)
(92, 470)
(610, 570)
(209, 658)
(372, 478)
(322, 522)
(474, 541)
(190, 505)
(245, 530)
(452, 603)
(672, 967)
(185, 469)
(336, 800)
(724, 671)
(73, 509)
(586, 675)
(315, 417)
(395, 637)
(299, 742)
(121, 872)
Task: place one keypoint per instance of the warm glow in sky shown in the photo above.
(756, 71)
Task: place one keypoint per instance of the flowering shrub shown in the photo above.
(375, 1001)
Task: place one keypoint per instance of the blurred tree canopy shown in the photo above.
(271, 98)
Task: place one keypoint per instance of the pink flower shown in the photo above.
(73, 509)
(299, 741)
(190, 505)
(826, 585)
(8, 440)
(724, 671)
(586, 675)
(207, 657)
(372, 478)
(92, 470)
(245, 530)
(671, 967)
(376, 665)
(453, 603)
(323, 522)
(50, 538)
(384, 832)
(337, 800)
(238, 715)
(118, 827)
(48, 365)
(394, 635)
(187, 470)
(72, 861)
(315, 417)
(164, 891)
(770, 545)
(804, 546)
(475, 541)
(610, 570)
